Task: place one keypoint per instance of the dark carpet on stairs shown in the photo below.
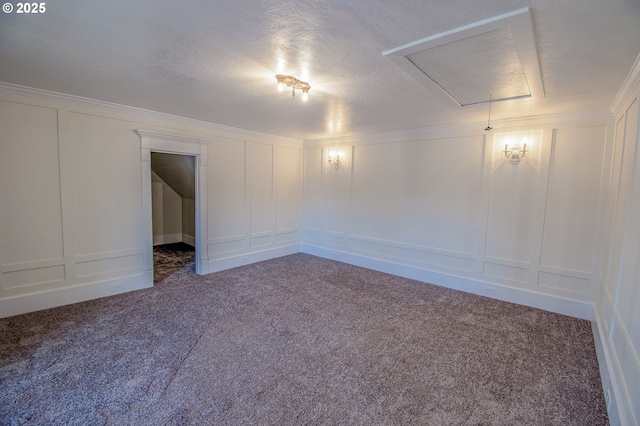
(170, 258)
(297, 340)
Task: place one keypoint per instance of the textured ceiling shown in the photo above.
(216, 61)
(492, 59)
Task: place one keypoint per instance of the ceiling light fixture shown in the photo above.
(294, 83)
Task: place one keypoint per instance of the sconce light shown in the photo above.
(334, 160)
(294, 83)
(515, 155)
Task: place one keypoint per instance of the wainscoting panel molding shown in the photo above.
(31, 225)
(227, 186)
(260, 196)
(437, 259)
(617, 329)
(572, 212)
(515, 275)
(287, 187)
(288, 236)
(31, 279)
(450, 209)
(264, 239)
(110, 266)
(75, 219)
(511, 222)
(225, 246)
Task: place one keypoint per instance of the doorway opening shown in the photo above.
(192, 152)
(173, 201)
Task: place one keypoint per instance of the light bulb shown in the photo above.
(280, 87)
(305, 96)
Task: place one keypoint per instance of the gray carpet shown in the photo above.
(170, 258)
(298, 340)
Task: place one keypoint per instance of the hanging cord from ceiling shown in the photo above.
(489, 119)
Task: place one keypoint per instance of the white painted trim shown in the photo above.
(32, 302)
(628, 88)
(167, 239)
(521, 26)
(611, 386)
(245, 258)
(189, 239)
(124, 109)
(560, 305)
(468, 129)
(176, 144)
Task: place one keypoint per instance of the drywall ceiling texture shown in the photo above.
(494, 59)
(495, 62)
(216, 61)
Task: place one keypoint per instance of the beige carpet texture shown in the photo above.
(297, 340)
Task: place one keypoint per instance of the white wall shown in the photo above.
(188, 221)
(618, 304)
(71, 225)
(445, 206)
(167, 210)
(257, 201)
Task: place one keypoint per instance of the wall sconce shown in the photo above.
(334, 160)
(515, 155)
(294, 83)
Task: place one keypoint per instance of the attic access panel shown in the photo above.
(496, 57)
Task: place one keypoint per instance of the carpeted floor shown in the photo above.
(170, 258)
(298, 340)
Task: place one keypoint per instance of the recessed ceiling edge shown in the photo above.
(520, 24)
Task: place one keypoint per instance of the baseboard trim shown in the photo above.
(189, 239)
(242, 259)
(605, 376)
(167, 239)
(615, 394)
(573, 308)
(73, 294)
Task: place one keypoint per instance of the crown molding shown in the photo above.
(631, 83)
(473, 128)
(629, 87)
(113, 107)
(164, 136)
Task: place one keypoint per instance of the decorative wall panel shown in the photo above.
(227, 189)
(226, 247)
(260, 187)
(336, 193)
(106, 185)
(517, 276)
(618, 316)
(287, 187)
(313, 200)
(32, 279)
(423, 192)
(572, 210)
(109, 263)
(31, 225)
(565, 283)
(510, 233)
